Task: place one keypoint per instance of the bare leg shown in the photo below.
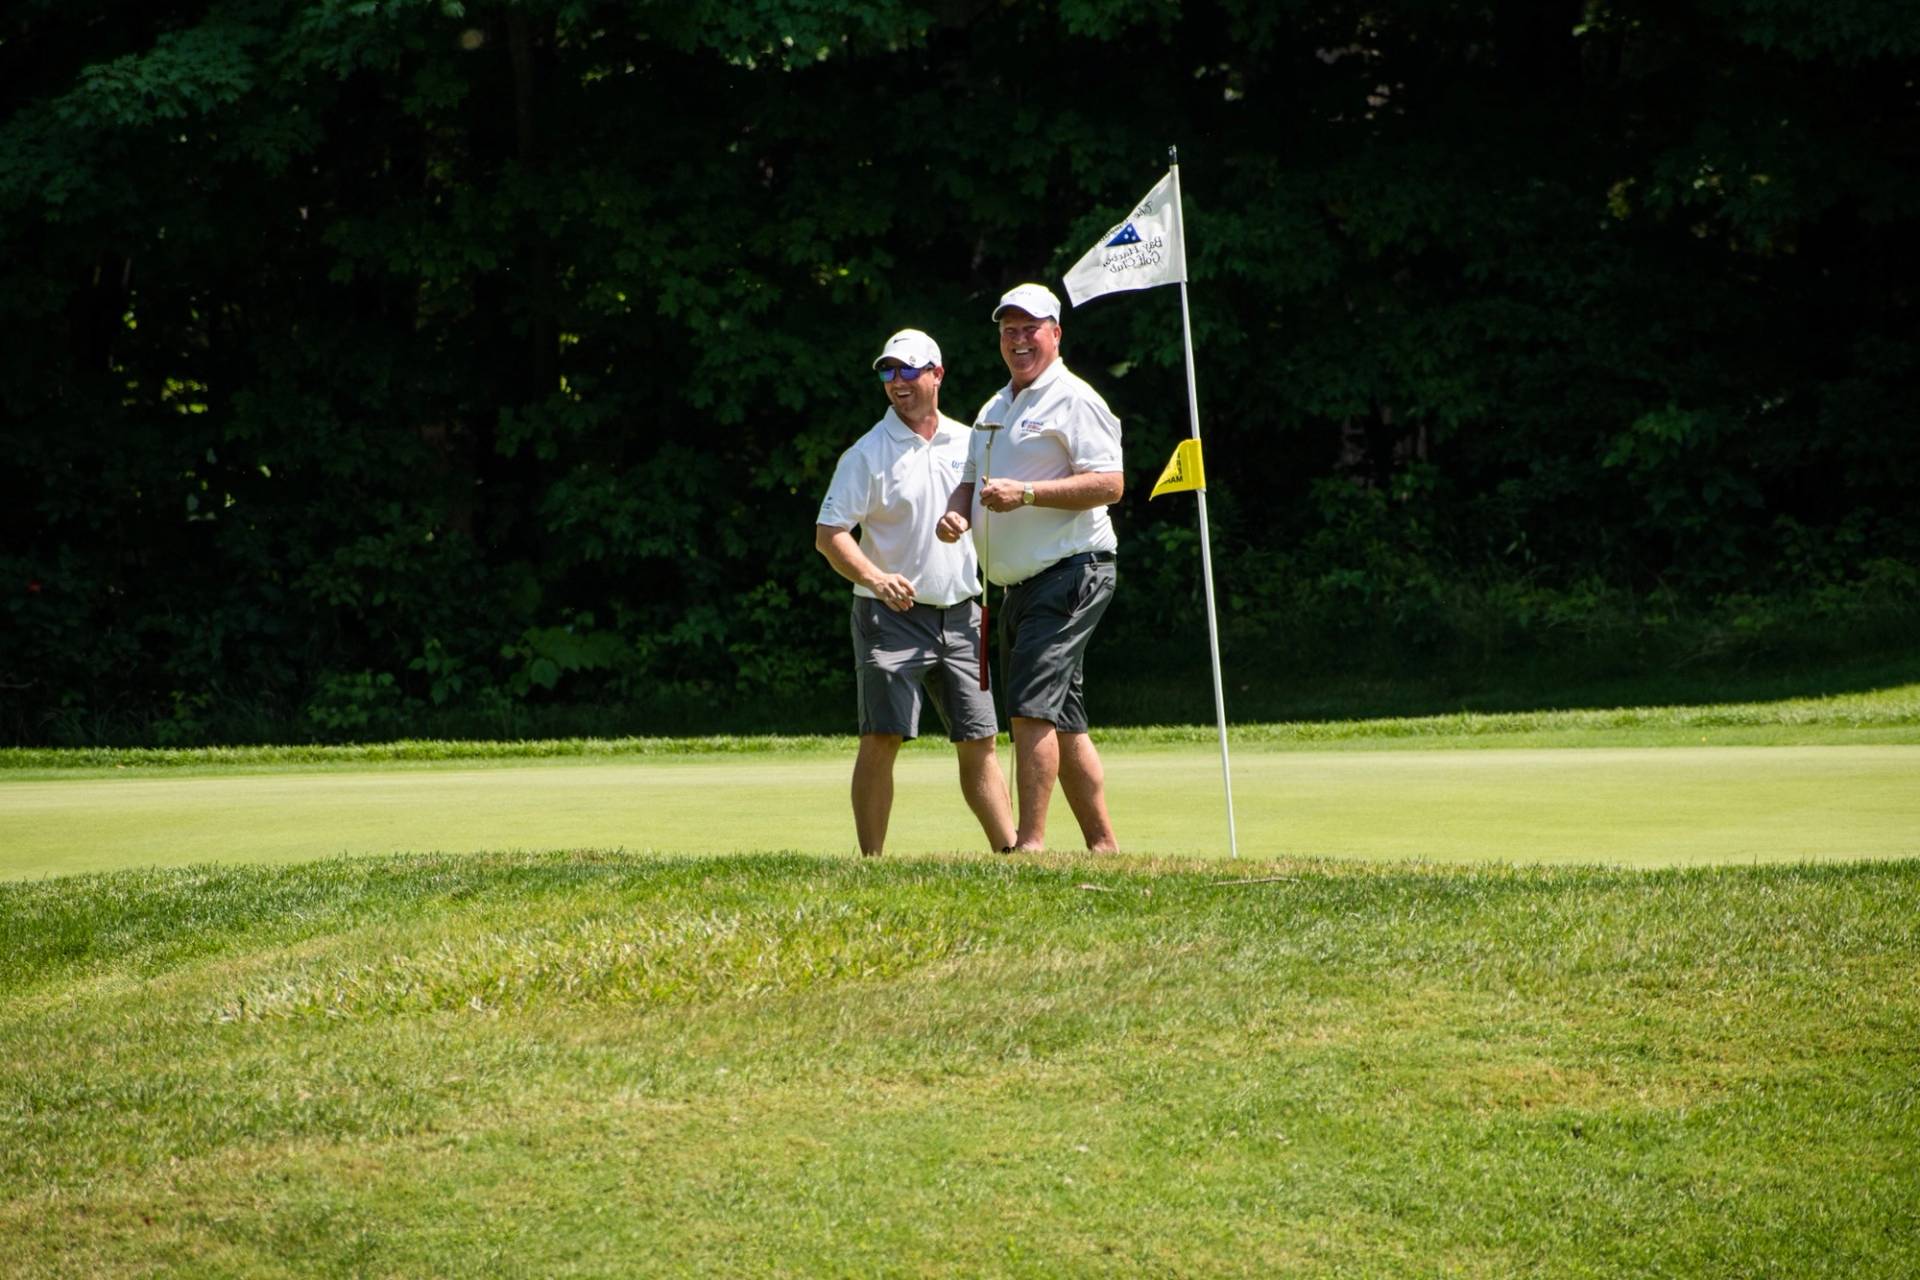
(873, 790)
(985, 788)
(1084, 780)
(1037, 765)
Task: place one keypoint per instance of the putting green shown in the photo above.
(1650, 807)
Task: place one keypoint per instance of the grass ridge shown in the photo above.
(1120, 1067)
(1892, 708)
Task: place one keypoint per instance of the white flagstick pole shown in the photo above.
(1206, 541)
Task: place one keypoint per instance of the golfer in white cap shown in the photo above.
(916, 624)
(1050, 451)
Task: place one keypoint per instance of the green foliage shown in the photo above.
(545, 654)
(356, 703)
(397, 337)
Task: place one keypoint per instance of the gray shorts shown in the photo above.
(898, 655)
(1045, 624)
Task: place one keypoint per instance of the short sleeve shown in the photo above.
(1093, 436)
(849, 495)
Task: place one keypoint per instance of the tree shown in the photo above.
(374, 356)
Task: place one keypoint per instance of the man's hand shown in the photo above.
(894, 591)
(1003, 495)
(952, 527)
(851, 563)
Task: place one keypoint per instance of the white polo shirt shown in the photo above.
(1059, 426)
(895, 486)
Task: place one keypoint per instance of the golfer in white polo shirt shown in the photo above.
(916, 625)
(1046, 463)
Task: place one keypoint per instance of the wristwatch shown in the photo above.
(1026, 496)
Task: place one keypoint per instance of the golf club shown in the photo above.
(986, 587)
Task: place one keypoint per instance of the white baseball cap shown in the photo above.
(1035, 299)
(911, 348)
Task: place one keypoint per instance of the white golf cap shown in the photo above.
(911, 348)
(1035, 299)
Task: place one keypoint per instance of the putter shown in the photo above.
(986, 587)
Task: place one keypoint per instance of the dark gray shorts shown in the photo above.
(1045, 624)
(897, 655)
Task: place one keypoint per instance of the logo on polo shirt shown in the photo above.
(1032, 427)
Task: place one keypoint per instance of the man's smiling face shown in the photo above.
(913, 400)
(1028, 345)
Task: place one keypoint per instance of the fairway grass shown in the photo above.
(1665, 806)
(590, 1064)
(1801, 779)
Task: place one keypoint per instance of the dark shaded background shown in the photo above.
(372, 367)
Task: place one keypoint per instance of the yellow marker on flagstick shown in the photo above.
(1185, 471)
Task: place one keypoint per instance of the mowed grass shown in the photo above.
(729, 1049)
(599, 1064)
(1788, 780)
(1613, 805)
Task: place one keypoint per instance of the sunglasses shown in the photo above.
(904, 373)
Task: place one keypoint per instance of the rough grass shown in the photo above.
(586, 1064)
(1887, 714)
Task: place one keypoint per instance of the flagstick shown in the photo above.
(1206, 541)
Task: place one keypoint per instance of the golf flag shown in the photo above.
(1184, 471)
(1142, 250)
(1148, 248)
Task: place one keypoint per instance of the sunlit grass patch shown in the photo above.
(792, 1065)
(625, 960)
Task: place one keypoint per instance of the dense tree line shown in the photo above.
(364, 358)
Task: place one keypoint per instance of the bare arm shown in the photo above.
(959, 515)
(1081, 492)
(851, 563)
